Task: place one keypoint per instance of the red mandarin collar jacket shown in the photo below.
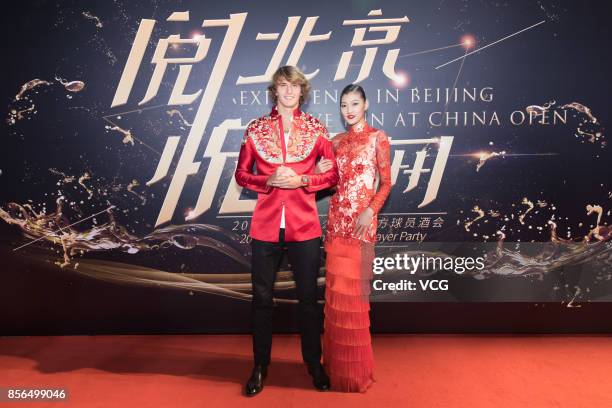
(263, 144)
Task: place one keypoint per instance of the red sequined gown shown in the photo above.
(361, 155)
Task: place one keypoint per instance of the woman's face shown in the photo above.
(353, 108)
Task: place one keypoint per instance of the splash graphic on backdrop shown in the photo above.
(491, 154)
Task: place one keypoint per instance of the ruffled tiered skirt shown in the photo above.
(347, 344)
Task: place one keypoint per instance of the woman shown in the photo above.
(361, 154)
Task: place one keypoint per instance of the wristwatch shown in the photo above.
(305, 180)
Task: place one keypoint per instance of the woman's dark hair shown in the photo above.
(353, 88)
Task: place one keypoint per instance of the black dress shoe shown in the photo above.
(255, 384)
(320, 380)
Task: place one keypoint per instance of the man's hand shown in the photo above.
(273, 178)
(284, 177)
(291, 182)
(323, 165)
(285, 171)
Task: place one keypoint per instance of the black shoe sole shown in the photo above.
(253, 394)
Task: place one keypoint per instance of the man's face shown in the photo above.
(288, 94)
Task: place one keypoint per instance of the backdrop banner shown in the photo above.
(119, 211)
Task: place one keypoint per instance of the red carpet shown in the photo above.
(411, 371)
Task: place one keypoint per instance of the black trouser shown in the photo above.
(304, 257)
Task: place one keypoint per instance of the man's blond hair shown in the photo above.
(294, 76)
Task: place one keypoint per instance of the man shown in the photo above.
(285, 146)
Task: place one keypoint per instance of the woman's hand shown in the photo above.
(323, 165)
(362, 225)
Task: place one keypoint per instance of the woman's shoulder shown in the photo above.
(379, 134)
(338, 137)
(375, 131)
